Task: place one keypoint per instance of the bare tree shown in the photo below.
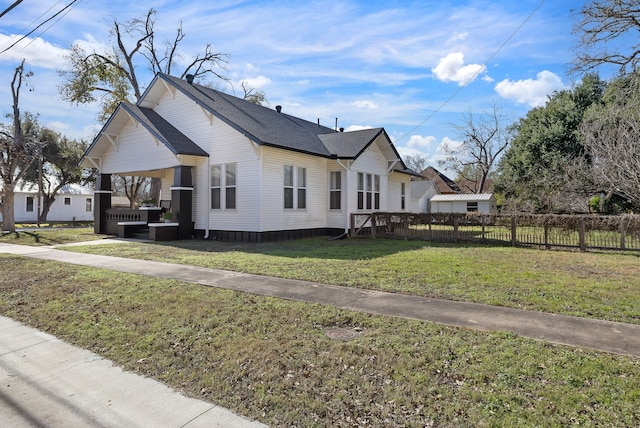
(484, 138)
(113, 76)
(17, 149)
(612, 139)
(253, 95)
(416, 162)
(608, 34)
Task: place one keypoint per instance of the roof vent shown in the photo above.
(341, 129)
(279, 109)
(189, 78)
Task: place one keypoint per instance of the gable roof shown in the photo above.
(273, 128)
(163, 131)
(175, 140)
(443, 183)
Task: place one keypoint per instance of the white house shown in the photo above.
(73, 203)
(421, 193)
(464, 203)
(234, 170)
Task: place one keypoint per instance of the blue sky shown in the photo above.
(412, 67)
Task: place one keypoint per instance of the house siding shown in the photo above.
(137, 150)
(58, 211)
(275, 216)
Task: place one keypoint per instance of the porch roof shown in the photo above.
(174, 140)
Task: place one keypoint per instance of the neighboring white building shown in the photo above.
(73, 203)
(421, 193)
(464, 203)
(234, 170)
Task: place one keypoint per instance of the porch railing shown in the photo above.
(115, 215)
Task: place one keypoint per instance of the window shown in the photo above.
(230, 186)
(67, 200)
(402, 195)
(29, 204)
(335, 190)
(288, 187)
(224, 178)
(360, 191)
(368, 191)
(88, 205)
(472, 207)
(295, 187)
(302, 188)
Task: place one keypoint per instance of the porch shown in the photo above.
(146, 222)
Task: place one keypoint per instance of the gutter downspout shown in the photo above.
(346, 222)
(208, 209)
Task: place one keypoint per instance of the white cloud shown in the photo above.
(530, 91)
(255, 82)
(447, 144)
(36, 52)
(365, 104)
(451, 68)
(420, 142)
(357, 128)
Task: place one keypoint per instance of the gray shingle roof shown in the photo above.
(173, 139)
(268, 127)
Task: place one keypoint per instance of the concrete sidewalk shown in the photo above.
(599, 335)
(45, 382)
(594, 334)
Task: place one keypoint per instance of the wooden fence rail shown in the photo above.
(584, 232)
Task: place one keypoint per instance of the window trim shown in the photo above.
(294, 185)
(368, 191)
(32, 200)
(335, 190)
(220, 201)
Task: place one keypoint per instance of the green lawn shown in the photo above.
(595, 285)
(48, 235)
(271, 359)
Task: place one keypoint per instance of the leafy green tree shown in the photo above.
(540, 163)
(58, 167)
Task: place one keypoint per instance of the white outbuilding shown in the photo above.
(464, 203)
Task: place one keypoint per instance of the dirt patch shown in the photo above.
(342, 333)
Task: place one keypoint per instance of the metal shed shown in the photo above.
(464, 203)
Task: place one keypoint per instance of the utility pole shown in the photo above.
(40, 161)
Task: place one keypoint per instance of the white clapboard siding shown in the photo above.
(137, 150)
(274, 215)
(59, 211)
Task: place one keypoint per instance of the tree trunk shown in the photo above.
(47, 201)
(156, 183)
(8, 217)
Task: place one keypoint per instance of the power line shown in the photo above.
(470, 79)
(34, 21)
(10, 7)
(52, 24)
(39, 25)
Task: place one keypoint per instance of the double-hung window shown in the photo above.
(295, 187)
(402, 196)
(223, 186)
(29, 204)
(335, 190)
(368, 191)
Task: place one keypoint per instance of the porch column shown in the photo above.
(182, 200)
(101, 203)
